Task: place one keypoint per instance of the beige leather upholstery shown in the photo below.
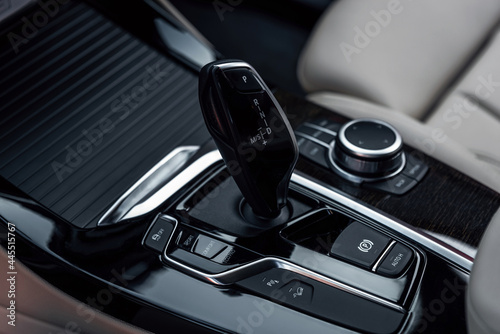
(413, 63)
(41, 308)
(471, 112)
(398, 53)
(483, 293)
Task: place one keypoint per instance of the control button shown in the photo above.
(208, 247)
(297, 293)
(312, 151)
(397, 185)
(228, 256)
(370, 135)
(323, 136)
(187, 239)
(301, 141)
(330, 303)
(396, 261)
(368, 148)
(307, 130)
(327, 124)
(360, 244)
(158, 235)
(243, 80)
(267, 283)
(234, 255)
(415, 168)
(335, 127)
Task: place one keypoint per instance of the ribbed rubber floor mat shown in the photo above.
(86, 109)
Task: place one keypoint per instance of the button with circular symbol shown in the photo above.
(360, 244)
(365, 245)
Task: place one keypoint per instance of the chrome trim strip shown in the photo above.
(253, 268)
(311, 138)
(319, 127)
(329, 195)
(175, 184)
(420, 237)
(410, 232)
(125, 206)
(382, 257)
(359, 179)
(234, 65)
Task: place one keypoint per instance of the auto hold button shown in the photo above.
(360, 245)
(396, 261)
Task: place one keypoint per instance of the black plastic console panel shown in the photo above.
(282, 255)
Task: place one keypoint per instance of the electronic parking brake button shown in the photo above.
(360, 244)
(208, 247)
(396, 261)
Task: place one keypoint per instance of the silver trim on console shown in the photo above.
(174, 185)
(330, 195)
(253, 268)
(419, 236)
(359, 179)
(234, 65)
(144, 196)
(320, 128)
(382, 257)
(311, 138)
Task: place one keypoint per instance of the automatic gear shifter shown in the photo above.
(251, 132)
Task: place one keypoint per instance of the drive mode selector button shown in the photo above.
(208, 247)
(367, 149)
(360, 244)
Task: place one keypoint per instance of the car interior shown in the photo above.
(249, 166)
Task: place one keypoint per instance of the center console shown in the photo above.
(319, 252)
(291, 219)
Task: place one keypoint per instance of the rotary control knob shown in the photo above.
(367, 149)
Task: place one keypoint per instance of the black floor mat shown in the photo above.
(86, 109)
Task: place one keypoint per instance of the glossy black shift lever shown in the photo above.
(251, 131)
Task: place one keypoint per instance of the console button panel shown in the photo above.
(362, 274)
(316, 141)
(210, 249)
(313, 151)
(326, 301)
(332, 233)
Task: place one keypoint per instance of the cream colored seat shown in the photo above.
(37, 307)
(428, 67)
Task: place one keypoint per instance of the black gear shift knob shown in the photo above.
(251, 132)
